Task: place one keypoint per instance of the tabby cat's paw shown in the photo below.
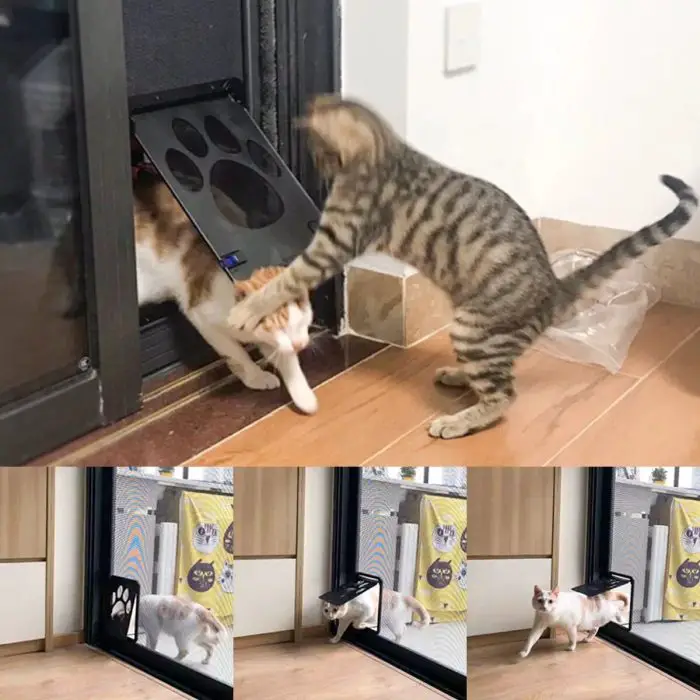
(243, 317)
(261, 381)
(450, 376)
(448, 427)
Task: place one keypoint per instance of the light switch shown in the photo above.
(462, 37)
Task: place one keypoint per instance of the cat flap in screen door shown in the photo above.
(234, 187)
(608, 582)
(353, 589)
(190, 68)
(121, 603)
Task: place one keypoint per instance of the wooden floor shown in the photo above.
(567, 414)
(320, 671)
(594, 671)
(77, 673)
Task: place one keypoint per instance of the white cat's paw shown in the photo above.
(571, 647)
(261, 381)
(523, 654)
(306, 402)
(334, 640)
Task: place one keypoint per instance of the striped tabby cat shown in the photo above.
(465, 234)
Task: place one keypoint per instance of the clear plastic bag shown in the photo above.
(603, 330)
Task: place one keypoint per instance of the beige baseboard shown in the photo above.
(673, 267)
(498, 638)
(35, 645)
(284, 637)
(62, 641)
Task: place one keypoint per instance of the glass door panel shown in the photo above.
(45, 338)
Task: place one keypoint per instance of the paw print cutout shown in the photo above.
(121, 604)
(210, 156)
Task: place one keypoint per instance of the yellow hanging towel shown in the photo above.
(205, 556)
(682, 594)
(441, 576)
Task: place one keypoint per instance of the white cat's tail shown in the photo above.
(418, 608)
(208, 619)
(618, 595)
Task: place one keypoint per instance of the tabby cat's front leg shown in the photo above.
(331, 248)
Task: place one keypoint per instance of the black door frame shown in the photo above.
(346, 528)
(109, 386)
(308, 54)
(599, 531)
(98, 569)
(308, 61)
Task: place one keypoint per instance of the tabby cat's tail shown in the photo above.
(583, 283)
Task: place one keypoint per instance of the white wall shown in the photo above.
(264, 600)
(374, 68)
(500, 591)
(482, 121)
(69, 550)
(317, 542)
(572, 527)
(619, 107)
(575, 107)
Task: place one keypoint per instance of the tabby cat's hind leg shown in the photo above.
(485, 364)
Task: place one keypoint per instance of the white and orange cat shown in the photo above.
(185, 621)
(397, 611)
(573, 612)
(174, 263)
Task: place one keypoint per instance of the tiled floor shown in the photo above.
(566, 414)
(594, 671)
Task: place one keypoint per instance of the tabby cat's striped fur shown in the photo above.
(465, 234)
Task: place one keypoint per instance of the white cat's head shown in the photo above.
(334, 612)
(544, 601)
(287, 329)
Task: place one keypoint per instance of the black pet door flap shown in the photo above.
(608, 582)
(355, 588)
(235, 188)
(121, 608)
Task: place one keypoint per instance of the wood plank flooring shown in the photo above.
(77, 673)
(320, 671)
(595, 671)
(567, 414)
